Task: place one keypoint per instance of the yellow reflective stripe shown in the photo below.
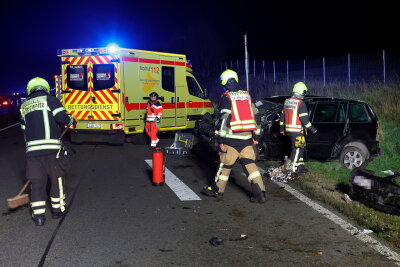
(218, 172)
(29, 149)
(22, 127)
(296, 156)
(240, 127)
(53, 199)
(303, 114)
(55, 206)
(242, 122)
(308, 125)
(223, 178)
(58, 110)
(254, 175)
(242, 137)
(38, 204)
(294, 115)
(39, 211)
(60, 186)
(281, 123)
(257, 132)
(235, 111)
(226, 111)
(293, 126)
(43, 141)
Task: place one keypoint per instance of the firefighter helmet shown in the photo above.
(227, 75)
(37, 84)
(154, 94)
(300, 88)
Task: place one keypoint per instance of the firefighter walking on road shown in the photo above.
(237, 133)
(42, 117)
(153, 117)
(294, 122)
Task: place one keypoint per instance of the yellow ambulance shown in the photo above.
(107, 89)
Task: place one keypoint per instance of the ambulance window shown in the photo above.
(77, 77)
(168, 78)
(193, 87)
(103, 76)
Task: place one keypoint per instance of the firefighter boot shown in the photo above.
(258, 195)
(212, 191)
(59, 214)
(39, 220)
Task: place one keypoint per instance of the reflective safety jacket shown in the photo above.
(294, 116)
(153, 110)
(236, 111)
(242, 116)
(42, 115)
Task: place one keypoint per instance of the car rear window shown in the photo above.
(103, 76)
(358, 113)
(77, 77)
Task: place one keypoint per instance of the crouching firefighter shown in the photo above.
(153, 117)
(294, 121)
(42, 117)
(237, 133)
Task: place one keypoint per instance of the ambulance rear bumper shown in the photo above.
(97, 136)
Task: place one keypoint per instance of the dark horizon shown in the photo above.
(206, 32)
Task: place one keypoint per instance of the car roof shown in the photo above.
(281, 98)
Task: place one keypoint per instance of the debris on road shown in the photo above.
(216, 241)
(242, 237)
(347, 198)
(280, 174)
(367, 231)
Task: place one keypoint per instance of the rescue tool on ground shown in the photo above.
(107, 92)
(238, 131)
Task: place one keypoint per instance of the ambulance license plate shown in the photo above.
(93, 126)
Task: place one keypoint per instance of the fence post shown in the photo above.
(264, 69)
(384, 66)
(287, 71)
(231, 65)
(273, 63)
(323, 70)
(348, 64)
(237, 65)
(304, 71)
(226, 65)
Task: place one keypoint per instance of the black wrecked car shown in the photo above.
(347, 131)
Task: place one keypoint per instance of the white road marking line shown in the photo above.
(370, 241)
(9, 127)
(182, 191)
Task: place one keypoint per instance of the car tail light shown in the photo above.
(73, 126)
(5, 103)
(117, 126)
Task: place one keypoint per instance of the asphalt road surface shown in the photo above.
(117, 218)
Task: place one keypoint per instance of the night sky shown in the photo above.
(206, 31)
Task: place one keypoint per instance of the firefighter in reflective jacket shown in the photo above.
(294, 121)
(42, 117)
(237, 133)
(153, 117)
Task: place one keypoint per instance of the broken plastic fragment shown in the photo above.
(390, 172)
(215, 241)
(347, 199)
(367, 231)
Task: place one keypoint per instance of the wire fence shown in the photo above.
(381, 66)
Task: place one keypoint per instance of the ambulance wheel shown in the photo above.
(140, 139)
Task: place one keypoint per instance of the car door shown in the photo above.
(329, 117)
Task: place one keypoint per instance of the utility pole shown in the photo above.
(247, 62)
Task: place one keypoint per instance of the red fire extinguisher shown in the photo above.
(158, 167)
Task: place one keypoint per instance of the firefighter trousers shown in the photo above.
(151, 130)
(38, 170)
(246, 158)
(296, 156)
